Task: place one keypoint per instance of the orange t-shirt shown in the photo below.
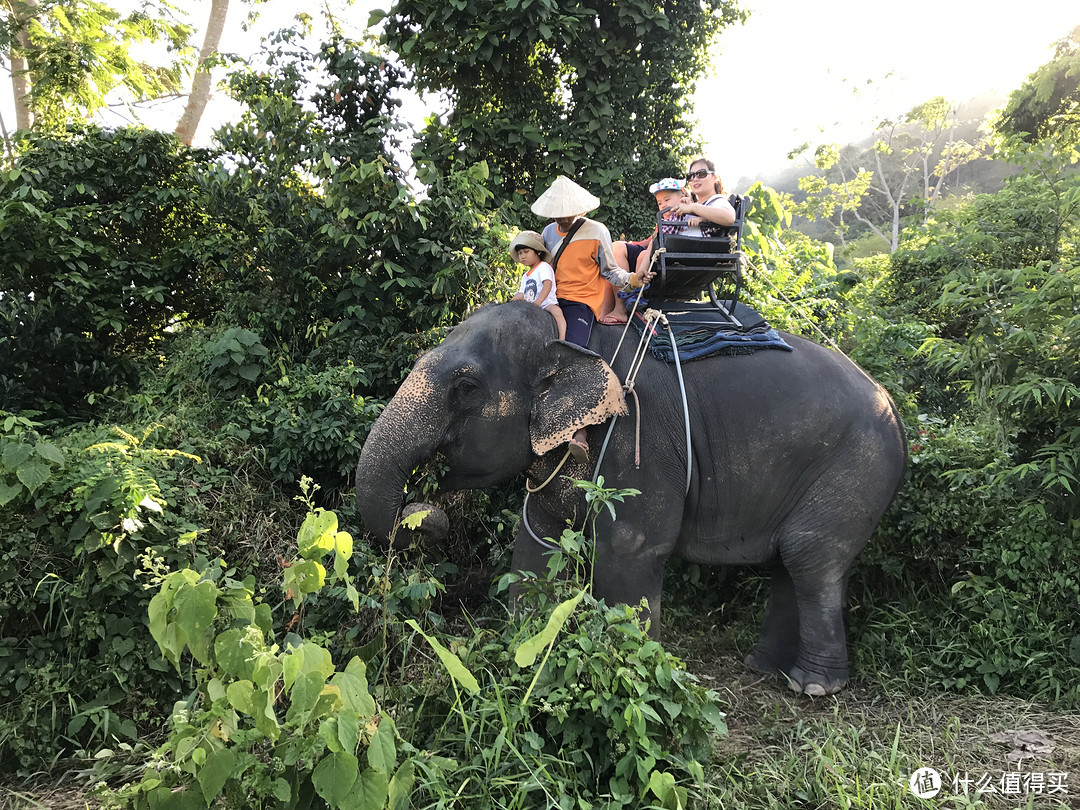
(585, 264)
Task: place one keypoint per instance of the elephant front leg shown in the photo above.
(626, 571)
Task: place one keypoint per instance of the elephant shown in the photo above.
(794, 458)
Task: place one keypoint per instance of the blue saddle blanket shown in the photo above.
(702, 331)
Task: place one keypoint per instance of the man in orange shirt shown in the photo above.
(580, 250)
(581, 255)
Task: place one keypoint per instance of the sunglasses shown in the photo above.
(700, 174)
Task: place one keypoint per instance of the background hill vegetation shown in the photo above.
(195, 342)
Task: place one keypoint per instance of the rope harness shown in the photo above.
(651, 316)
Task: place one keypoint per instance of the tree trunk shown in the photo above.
(20, 75)
(200, 85)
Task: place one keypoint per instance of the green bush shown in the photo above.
(270, 725)
(102, 233)
(578, 706)
(94, 519)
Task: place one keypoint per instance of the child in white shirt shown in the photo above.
(538, 282)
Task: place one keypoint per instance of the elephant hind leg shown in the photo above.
(778, 642)
(821, 667)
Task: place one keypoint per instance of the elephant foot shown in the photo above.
(767, 662)
(815, 684)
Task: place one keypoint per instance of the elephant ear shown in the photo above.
(575, 388)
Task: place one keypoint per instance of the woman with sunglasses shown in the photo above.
(710, 209)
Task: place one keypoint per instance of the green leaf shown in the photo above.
(528, 650)
(354, 688)
(302, 578)
(7, 492)
(50, 452)
(160, 605)
(240, 694)
(348, 729)
(317, 534)
(415, 520)
(335, 776)
(15, 454)
(303, 697)
(33, 474)
(195, 609)
(234, 652)
(215, 772)
(401, 786)
(382, 752)
(714, 717)
(458, 671)
(369, 793)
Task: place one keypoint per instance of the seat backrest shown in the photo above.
(727, 239)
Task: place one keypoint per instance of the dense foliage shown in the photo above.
(189, 334)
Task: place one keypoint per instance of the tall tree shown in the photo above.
(910, 159)
(599, 91)
(1048, 103)
(67, 55)
(200, 85)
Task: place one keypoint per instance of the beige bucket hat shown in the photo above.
(529, 239)
(564, 198)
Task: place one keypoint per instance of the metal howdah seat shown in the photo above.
(689, 266)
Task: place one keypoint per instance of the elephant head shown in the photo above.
(500, 391)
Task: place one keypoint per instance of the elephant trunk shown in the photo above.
(405, 434)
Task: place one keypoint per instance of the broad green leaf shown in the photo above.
(415, 520)
(50, 452)
(662, 784)
(195, 609)
(382, 752)
(308, 657)
(240, 695)
(281, 790)
(302, 578)
(215, 772)
(215, 689)
(343, 544)
(328, 704)
(369, 793)
(15, 454)
(354, 688)
(303, 696)
(335, 776)
(528, 650)
(33, 474)
(328, 732)
(401, 786)
(458, 671)
(158, 611)
(348, 729)
(316, 535)
(265, 719)
(715, 718)
(235, 652)
(7, 492)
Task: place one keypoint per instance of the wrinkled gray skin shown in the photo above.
(796, 455)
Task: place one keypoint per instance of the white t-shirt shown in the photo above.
(532, 282)
(695, 230)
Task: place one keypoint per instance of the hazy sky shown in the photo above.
(790, 74)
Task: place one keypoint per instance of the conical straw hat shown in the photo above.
(564, 198)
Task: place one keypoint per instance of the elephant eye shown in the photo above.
(466, 390)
